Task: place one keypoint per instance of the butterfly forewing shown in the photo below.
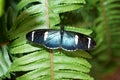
(73, 41)
(48, 38)
(36, 36)
(85, 42)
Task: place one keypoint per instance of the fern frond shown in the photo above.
(108, 24)
(75, 29)
(23, 49)
(35, 61)
(5, 62)
(39, 62)
(107, 34)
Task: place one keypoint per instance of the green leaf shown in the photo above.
(23, 49)
(5, 62)
(75, 29)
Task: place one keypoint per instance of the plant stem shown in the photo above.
(51, 53)
(47, 15)
(107, 27)
(51, 64)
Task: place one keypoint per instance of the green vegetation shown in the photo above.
(22, 61)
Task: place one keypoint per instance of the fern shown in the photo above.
(40, 64)
(108, 24)
(4, 62)
(107, 35)
(35, 61)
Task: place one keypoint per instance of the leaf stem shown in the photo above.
(51, 53)
(51, 64)
(107, 27)
(47, 15)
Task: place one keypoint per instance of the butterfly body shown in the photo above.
(67, 40)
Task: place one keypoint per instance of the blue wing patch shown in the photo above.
(53, 39)
(68, 41)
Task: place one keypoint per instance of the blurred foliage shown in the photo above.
(102, 16)
(1, 7)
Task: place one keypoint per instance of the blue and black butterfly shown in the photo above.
(67, 40)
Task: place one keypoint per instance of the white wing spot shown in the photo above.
(89, 42)
(76, 39)
(45, 35)
(33, 35)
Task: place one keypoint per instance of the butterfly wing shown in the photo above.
(53, 39)
(73, 40)
(36, 36)
(48, 38)
(68, 41)
(85, 42)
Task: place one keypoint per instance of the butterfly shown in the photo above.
(67, 40)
